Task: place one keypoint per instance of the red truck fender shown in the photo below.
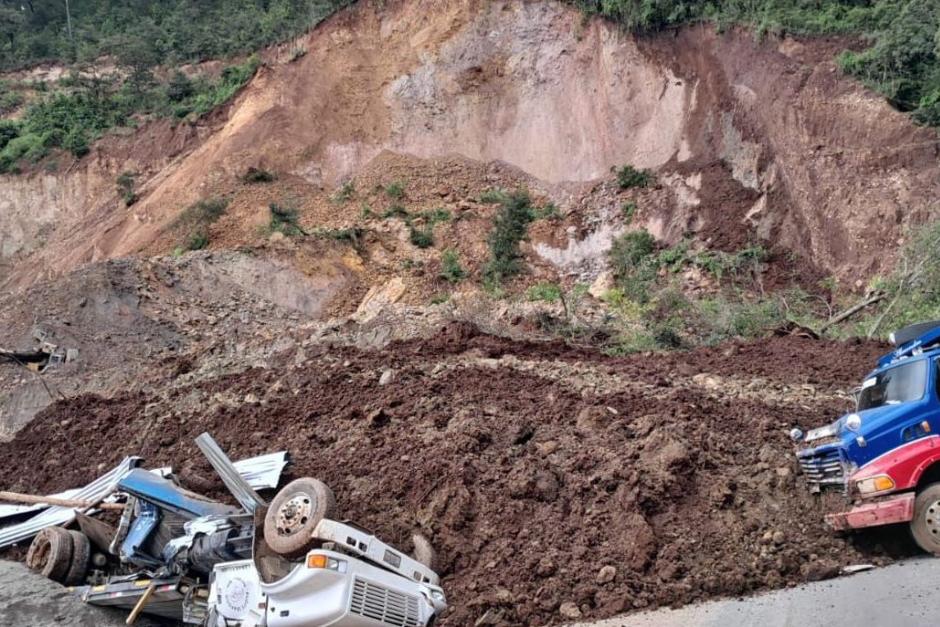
(905, 465)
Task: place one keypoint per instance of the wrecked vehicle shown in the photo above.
(885, 456)
(307, 569)
(178, 555)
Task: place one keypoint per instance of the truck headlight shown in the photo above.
(318, 560)
(853, 422)
(874, 485)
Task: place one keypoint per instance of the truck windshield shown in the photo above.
(892, 387)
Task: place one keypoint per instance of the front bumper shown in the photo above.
(888, 510)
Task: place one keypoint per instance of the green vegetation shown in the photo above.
(257, 175)
(903, 63)
(510, 227)
(628, 177)
(395, 190)
(195, 221)
(73, 117)
(493, 196)
(421, 224)
(352, 235)
(345, 193)
(422, 237)
(652, 312)
(125, 186)
(174, 31)
(911, 292)
(548, 212)
(628, 209)
(545, 292)
(451, 270)
(9, 100)
(285, 220)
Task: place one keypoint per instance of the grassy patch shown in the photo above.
(510, 227)
(285, 220)
(196, 219)
(352, 235)
(544, 292)
(125, 186)
(628, 210)
(255, 175)
(629, 177)
(421, 237)
(395, 190)
(493, 196)
(345, 193)
(451, 270)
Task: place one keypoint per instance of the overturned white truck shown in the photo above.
(178, 555)
(307, 569)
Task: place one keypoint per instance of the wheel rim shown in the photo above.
(293, 515)
(932, 521)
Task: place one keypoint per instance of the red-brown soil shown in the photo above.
(531, 466)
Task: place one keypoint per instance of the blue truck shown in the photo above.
(885, 456)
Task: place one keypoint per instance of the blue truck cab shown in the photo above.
(885, 456)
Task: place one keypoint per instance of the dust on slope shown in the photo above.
(529, 485)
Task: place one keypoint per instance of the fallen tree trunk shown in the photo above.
(29, 499)
(854, 309)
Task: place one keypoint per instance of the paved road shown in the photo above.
(902, 595)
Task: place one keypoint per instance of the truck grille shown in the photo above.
(822, 467)
(383, 605)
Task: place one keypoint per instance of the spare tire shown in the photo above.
(424, 553)
(293, 515)
(50, 553)
(81, 555)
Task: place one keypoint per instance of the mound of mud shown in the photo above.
(545, 476)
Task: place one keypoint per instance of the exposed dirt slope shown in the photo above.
(533, 467)
(753, 140)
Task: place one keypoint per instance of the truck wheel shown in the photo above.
(925, 526)
(424, 552)
(81, 555)
(293, 515)
(50, 553)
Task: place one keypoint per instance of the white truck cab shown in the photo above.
(354, 580)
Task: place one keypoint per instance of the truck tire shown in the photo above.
(81, 556)
(424, 552)
(51, 553)
(293, 515)
(925, 526)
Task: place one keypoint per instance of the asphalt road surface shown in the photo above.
(906, 594)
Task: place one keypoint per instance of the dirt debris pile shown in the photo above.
(627, 483)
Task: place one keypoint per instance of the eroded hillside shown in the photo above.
(754, 141)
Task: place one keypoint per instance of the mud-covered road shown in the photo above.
(556, 483)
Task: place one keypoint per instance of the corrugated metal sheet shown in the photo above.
(264, 471)
(240, 489)
(94, 491)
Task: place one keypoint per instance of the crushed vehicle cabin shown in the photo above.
(885, 456)
(149, 546)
